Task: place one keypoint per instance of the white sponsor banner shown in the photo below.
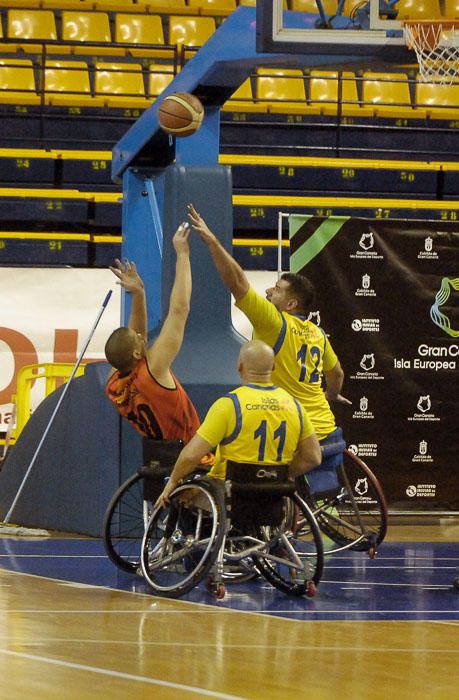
(47, 315)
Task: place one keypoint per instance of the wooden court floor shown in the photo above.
(62, 638)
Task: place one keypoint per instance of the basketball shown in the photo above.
(181, 114)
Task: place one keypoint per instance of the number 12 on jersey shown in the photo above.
(315, 355)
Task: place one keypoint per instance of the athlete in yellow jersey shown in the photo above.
(303, 352)
(257, 423)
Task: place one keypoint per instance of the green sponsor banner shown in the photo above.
(303, 251)
(387, 297)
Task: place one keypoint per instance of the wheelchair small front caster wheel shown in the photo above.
(220, 591)
(456, 583)
(217, 588)
(372, 552)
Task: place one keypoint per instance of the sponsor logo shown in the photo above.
(428, 253)
(361, 486)
(424, 406)
(363, 412)
(365, 289)
(367, 363)
(422, 454)
(314, 316)
(442, 296)
(364, 449)
(421, 490)
(366, 245)
(444, 352)
(366, 325)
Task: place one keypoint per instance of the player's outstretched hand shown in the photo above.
(180, 238)
(200, 225)
(128, 277)
(339, 398)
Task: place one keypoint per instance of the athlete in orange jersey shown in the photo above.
(142, 386)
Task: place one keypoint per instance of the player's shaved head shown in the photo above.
(256, 358)
(120, 347)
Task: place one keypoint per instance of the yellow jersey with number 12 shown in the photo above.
(302, 353)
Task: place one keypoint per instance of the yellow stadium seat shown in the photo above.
(438, 101)
(282, 89)
(190, 31)
(17, 82)
(164, 5)
(213, 7)
(141, 29)
(451, 9)
(324, 93)
(86, 27)
(311, 6)
(159, 78)
(387, 93)
(81, 5)
(418, 9)
(30, 24)
(121, 85)
(67, 84)
(242, 100)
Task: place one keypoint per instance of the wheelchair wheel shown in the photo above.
(182, 540)
(355, 517)
(124, 524)
(294, 561)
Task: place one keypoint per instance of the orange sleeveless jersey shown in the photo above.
(155, 411)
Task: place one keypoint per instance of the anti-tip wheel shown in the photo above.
(372, 552)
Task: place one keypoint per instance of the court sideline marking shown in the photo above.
(125, 676)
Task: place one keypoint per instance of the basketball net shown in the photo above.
(436, 44)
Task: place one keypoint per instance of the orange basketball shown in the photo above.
(180, 114)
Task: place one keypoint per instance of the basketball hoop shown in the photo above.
(436, 43)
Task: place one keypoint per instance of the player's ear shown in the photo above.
(292, 304)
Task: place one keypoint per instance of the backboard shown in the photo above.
(369, 29)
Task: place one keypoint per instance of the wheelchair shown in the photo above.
(132, 504)
(346, 499)
(244, 525)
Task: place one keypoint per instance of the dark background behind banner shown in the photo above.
(376, 282)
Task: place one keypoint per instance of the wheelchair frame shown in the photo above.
(178, 552)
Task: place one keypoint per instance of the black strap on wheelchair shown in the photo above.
(264, 479)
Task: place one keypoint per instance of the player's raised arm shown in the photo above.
(230, 271)
(166, 347)
(130, 280)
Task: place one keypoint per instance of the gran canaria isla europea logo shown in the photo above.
(438, 317)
